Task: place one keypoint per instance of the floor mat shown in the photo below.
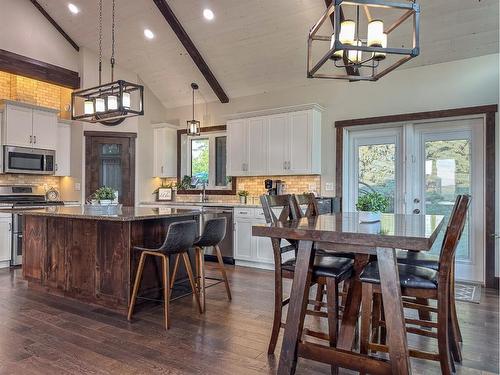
(468, 292)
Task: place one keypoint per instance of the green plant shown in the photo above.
(243, 193)
(104, 193)
(185, 183)
(373, 202)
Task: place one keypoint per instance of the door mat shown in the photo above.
(468, 292)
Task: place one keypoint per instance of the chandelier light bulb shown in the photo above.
(347, 32)
(381, 55)
(337, 54)
(88, 107)
(100, 105)
(112, 103)
(354, 55)
(375, 33)
(126, 100)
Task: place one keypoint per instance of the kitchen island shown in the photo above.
(87, 254)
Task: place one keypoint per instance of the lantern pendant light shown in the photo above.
(193, 126)
(110, 103)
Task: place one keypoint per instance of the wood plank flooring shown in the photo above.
(42, 334)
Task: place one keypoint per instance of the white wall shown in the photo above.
(23, 30)
(449, 85)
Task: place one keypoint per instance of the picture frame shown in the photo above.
(164, 194)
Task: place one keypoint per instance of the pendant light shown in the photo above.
(193, 126)
(111, 103)
(358, 53)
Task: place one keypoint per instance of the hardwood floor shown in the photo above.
(42, 334)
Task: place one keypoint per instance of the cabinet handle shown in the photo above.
(10, 227)
(162, 169)
(57, 167)
(284, 165)
(289, 165)
(31, 139)
(34, 137)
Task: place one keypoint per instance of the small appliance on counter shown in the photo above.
(274, 187)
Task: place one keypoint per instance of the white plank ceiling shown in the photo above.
(255, 46)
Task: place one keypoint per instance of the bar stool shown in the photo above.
(213, 234)
(180, 238)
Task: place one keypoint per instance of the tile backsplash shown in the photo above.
(41, 182)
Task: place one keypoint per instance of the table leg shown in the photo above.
(297, 307)
(393, 309)
(352, 305)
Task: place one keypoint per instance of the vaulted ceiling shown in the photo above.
(255, 46)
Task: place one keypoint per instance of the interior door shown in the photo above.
(110, 161)
(448, 161)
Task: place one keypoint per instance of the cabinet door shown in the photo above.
(277, 144)
(237, 159)
(263, 247)
(299, 161)
(5, 238)
(243, 240)
(44, 129)
(18, 129)
(63, 150)
(165, 152)
(257, 146)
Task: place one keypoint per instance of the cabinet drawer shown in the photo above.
(259, 213)
(244, 212)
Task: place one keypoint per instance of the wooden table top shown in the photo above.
(409, 232)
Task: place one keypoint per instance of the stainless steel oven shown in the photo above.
(28, 160)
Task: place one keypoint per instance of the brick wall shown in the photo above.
(14, 87)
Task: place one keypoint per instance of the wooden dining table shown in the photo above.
(343, 232)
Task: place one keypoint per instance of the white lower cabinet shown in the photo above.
(5, 239)
(248, 250)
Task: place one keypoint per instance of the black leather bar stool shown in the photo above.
(180, 238)
(213, 234)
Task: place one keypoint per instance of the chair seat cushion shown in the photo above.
(326, 266)
(418, 258)
(409, 276)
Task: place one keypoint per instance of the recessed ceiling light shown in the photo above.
(149, 34)
(73, 8)
(208, 14)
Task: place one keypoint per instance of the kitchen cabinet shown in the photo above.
(283, 143)
(165, 151)
(243, 249)
(5, 239)
(63, 149)
(25, 125)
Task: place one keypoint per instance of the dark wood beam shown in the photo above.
(55, 24)
(188, 44)
(349, 69)
(26, 66)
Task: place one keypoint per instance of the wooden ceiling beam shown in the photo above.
(349, 69)
(55, 24)
(188, 44)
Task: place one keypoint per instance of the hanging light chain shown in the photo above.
(100, 42)
(113, 41)
(193, 103)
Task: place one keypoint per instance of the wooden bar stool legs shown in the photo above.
(191, 278)
(223, 271)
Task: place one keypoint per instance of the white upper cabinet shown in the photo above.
(257, 145)
(285, 142)
(165, 151)
(237, 151)
(63, 150)
(25, 125)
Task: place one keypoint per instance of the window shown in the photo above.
(205, 160)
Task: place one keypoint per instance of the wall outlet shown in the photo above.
(329, 186)
(78, 186)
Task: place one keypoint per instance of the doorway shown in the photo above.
(110, 161)
(422, 167)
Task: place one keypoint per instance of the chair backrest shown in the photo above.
(308, 200)
(272, 201)
(180, 236)
(213, 233)
(453, 233)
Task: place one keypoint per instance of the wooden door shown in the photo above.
(110, 161)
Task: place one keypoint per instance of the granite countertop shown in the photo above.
(201, 204)
(110, 213)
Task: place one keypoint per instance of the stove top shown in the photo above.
(23, 197)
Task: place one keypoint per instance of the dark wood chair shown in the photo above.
(329, 271)
(419, 282)
(180, 238)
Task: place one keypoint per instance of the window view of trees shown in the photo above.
(200, 161)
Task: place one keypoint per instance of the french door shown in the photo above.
(422, 167)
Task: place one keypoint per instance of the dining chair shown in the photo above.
(421, 282)
(179, 239)
(329, 271)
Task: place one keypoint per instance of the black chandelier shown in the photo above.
(360, 57)
(193, 126)
(110, 103)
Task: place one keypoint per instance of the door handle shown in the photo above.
(495, 235)
(416, 211)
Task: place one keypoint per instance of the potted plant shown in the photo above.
(105, 195)
(243, 194)
(370, 207)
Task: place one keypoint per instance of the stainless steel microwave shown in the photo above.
(28, 160)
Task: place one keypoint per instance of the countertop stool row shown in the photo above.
(182, 236)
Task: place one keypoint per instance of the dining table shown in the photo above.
(343, 232)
